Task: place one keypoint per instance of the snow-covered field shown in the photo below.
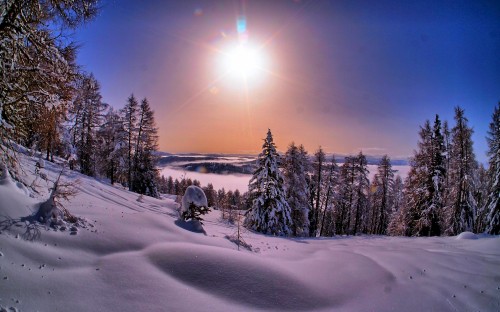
(135, 257)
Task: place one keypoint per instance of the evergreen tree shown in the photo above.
(462, 207)
(493, 200)
(144, 175)
(209, 193)
(177, 187)
(360, 195)
(130, 126)
(222, 202)
(327, 225)
(394, 227)
(480, 196)
(424, 188)
(87, 110)
(171, 189)
(345, 196)
(295, 169)
(270, 213)
(316, 188)
(382, 197)
(112, 147)
(237, 199)
(447, 148)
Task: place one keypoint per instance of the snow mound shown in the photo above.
(191, 225)
(467, 235)
(194, 195)
(239, 277)
(6, 180)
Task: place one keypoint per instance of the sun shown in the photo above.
(244, 61)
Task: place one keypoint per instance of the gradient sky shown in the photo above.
(347, 75)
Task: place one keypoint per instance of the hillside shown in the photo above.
(130, 255)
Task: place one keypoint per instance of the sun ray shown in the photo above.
(200, 92)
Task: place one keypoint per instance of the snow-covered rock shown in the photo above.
(467, 235)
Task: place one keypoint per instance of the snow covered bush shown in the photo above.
(52, 210)
(194, 204)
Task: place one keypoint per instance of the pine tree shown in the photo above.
(462, 206)
(270, 213)
(382, 197)
(345, 196)
(424, 187)
(87, 115)
(112, 147)
(360, 195)
(480, 196)
(130, 125)
(295, 169)
(221, 202)
(209, 193)
(447, 148)
(316, 188)
(177, 187)
(395, 225)
(493, 201)
(327, 226)
(171, 189)
(144, 175)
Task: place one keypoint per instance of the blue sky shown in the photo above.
(347, 75)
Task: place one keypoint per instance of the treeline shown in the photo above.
(228, 202)
(47, 103)
(446, 191)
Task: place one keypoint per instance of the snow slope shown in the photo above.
(134, 257)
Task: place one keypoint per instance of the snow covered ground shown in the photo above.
(135, 256)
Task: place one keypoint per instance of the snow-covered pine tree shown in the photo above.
(295, 170)
(493, 201)
(316, 189)
(112, 147)
(382, 197)
(397, 204)
(270, 212)
(145, 174)
(424, 187)
(462, 206)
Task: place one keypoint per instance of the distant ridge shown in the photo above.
(218, 163)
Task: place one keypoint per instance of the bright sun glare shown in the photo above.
(244, 61)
